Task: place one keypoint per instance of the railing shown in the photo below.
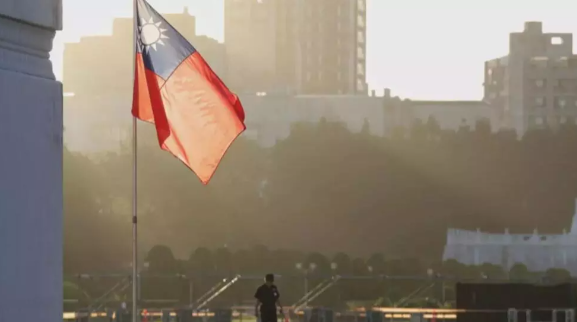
(381, 314)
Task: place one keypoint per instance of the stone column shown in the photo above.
(30, 163)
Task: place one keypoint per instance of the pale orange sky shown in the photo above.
(421, 49)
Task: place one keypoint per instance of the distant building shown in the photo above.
(104, 122)
(96, 124)
(535, 86)
(447, 114)
(270, 118)
(102, 65)
(538, 252)
(296, 46)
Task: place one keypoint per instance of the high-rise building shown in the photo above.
(102, 65)
(298, 46)
(535, 86)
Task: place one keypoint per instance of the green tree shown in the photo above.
(519, 272)
(94, 238)
(223, 261)
(558, 275)
(161, 260)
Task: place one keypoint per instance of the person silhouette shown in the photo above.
(267, 298)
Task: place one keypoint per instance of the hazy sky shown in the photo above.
(421, 49)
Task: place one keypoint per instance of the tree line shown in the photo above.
(324, 189)
(364, 282)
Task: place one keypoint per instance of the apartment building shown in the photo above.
(535, 85)
(296, 46)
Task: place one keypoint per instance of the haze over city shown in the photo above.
(419, 50)
(473, 76)
(370, 160)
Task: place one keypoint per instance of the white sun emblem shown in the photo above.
(151, 34)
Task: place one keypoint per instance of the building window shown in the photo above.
(562, 62)
(360, 53)
(360, 21)
(360, 86)
(338, 10)
(539, 120)
(339, 76)
(360, 37)
(308, 76)
(563, 120)
(539, 101)
(561, 102)
(361, 5)
(539, 83)
(360, 69)
(539, 62)
(556, 41)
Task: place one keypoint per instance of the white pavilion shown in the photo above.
(538, 252)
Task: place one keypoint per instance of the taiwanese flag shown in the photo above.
(196, 117)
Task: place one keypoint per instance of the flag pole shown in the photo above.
(135, 314)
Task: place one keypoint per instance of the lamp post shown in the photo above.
(146, 267)
(190, 291)
(334, 267)
(432, 274)
(306, 271)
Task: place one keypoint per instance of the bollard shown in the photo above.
(570, 315)
(110, 315)
(165, 315)
(311, 315)
(222, 315)
(184, 315)
(554, 314)
(201, 316)
(123, 316)
(318, 314)
(326, 315)
(511, 315)
(417, 317)
(82, 316)
(375, 316)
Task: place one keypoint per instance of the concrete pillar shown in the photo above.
(30, 163)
